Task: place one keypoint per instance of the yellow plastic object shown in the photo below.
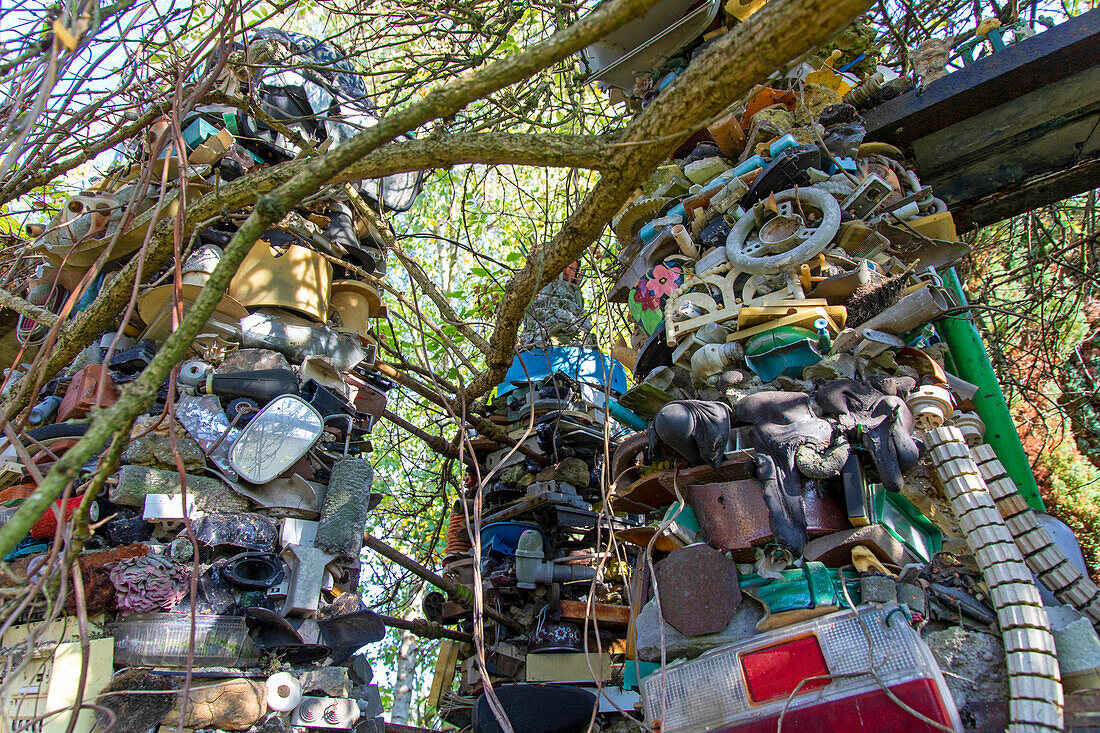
(865, 561)
(939, 226)
(153, 308)
(802, 317)
(826, 76)
(356, 302)
(298, 279)
(805, 311)
(212, 150)
(742, 9)
(805, 278)
(877, 148)
(641, 537)
(49, 678)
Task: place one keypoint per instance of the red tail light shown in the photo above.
(775, 671)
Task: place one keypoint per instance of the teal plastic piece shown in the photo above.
(626, 417)
(811, 586)
(848, 164)
(970, 361)
(634, 672)
(783, 143)
(785, 351)
(686, 518)
(905, 522)
(197, 133)
(749, 165)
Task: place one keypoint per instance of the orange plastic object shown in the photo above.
(728, 136)
(80, 398)
(56, 448)
(22, 491)
(766, 97)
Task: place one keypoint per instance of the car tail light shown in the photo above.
(776, 671)
(746, 686)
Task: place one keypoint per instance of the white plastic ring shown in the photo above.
(284, 692)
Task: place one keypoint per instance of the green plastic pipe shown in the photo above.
(971, 362)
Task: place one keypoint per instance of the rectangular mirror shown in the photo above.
(275, 439)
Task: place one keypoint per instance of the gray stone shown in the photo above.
(152, 447)
(513, 474)
(648, 628)
(555, 317)
(181, 550)
(329, 681)
(837, 366)
(878, 589)
(914, 597)
(371, 725)
(973, 663)
(360, 670)
(573, 471)
(1076, 641)
(248, 360)
(369, 699)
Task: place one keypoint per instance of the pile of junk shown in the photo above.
(223, 556)
(808, 509)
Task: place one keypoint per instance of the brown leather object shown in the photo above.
(734, 517)
(80, 398)
(835, 550)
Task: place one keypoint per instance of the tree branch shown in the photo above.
(270, 208)
(25, 308)
(582, 151)
(778, 33)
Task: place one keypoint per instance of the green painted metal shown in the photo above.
(972, 363)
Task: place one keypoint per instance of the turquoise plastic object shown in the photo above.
(198, 132)
(749, 165)
(634, 672)
(668, 79)
(584, 365)
(905, 522)
(778, 146)
(89, 295)
(686, 518)
(650, 230)
(811, 586)
(785, 351)
(848, 164)
(626, 417)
